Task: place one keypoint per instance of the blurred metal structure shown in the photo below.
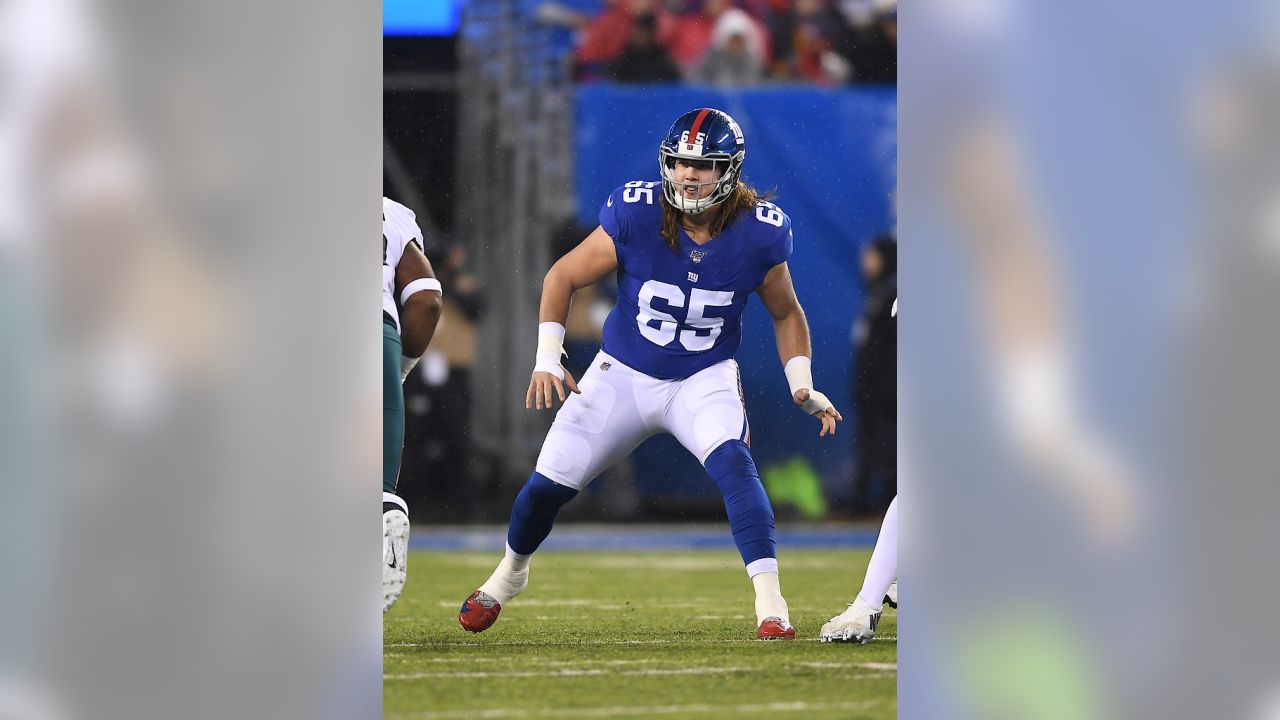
(402, 176)
(513, 189)
(403, 186)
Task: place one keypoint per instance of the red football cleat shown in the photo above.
(480, 611)
(773, 628)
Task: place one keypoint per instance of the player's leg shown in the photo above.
(592, 431)
(858, 622)
(883, 569)
(395, 513)
(709, 418)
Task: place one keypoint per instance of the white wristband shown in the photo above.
(550, 348)
(551, 338)
(407, 364)
(799, 374)
(418, 286)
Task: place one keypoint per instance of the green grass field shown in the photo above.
(633, 634)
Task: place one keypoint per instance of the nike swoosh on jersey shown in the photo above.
(609, 203)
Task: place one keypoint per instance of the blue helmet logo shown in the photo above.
(703, 135)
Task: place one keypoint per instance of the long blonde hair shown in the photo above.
(743, 198)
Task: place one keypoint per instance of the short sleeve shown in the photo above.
(779, 250)
(401, 223)
(612, 218)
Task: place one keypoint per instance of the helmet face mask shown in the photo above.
(701, 136)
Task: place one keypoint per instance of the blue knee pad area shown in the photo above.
(750, 514)
(534, 512)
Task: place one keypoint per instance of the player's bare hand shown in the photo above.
(543, 386)
(817, 405)
(829, 417)
(570, 383)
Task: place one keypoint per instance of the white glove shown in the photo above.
(800, 377)
(816, 403)
(406, 366)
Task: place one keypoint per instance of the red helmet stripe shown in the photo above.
(697, 123)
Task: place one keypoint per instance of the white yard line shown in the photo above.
(588, 663)
(728, 563)
(650, 710)
(602, 671)
(517, 661)
(842, 666)
(568, 672)
(569, 643)
(454, 659)
(582, 602)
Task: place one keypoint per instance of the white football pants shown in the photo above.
(619, 408)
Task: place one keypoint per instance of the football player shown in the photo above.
(688, 250)
(410, 309)
(879, 586)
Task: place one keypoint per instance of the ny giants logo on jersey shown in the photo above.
(696, 144)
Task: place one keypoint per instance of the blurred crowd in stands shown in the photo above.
(731, 43)
(437, 476)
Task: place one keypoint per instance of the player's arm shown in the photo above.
(582, 266)
(791, 330)
(419, 294)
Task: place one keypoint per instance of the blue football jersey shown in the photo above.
(679, 313)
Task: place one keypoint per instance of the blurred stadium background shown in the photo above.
(506, 123)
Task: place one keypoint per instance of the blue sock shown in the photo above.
(750, 514)
(535, 511)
